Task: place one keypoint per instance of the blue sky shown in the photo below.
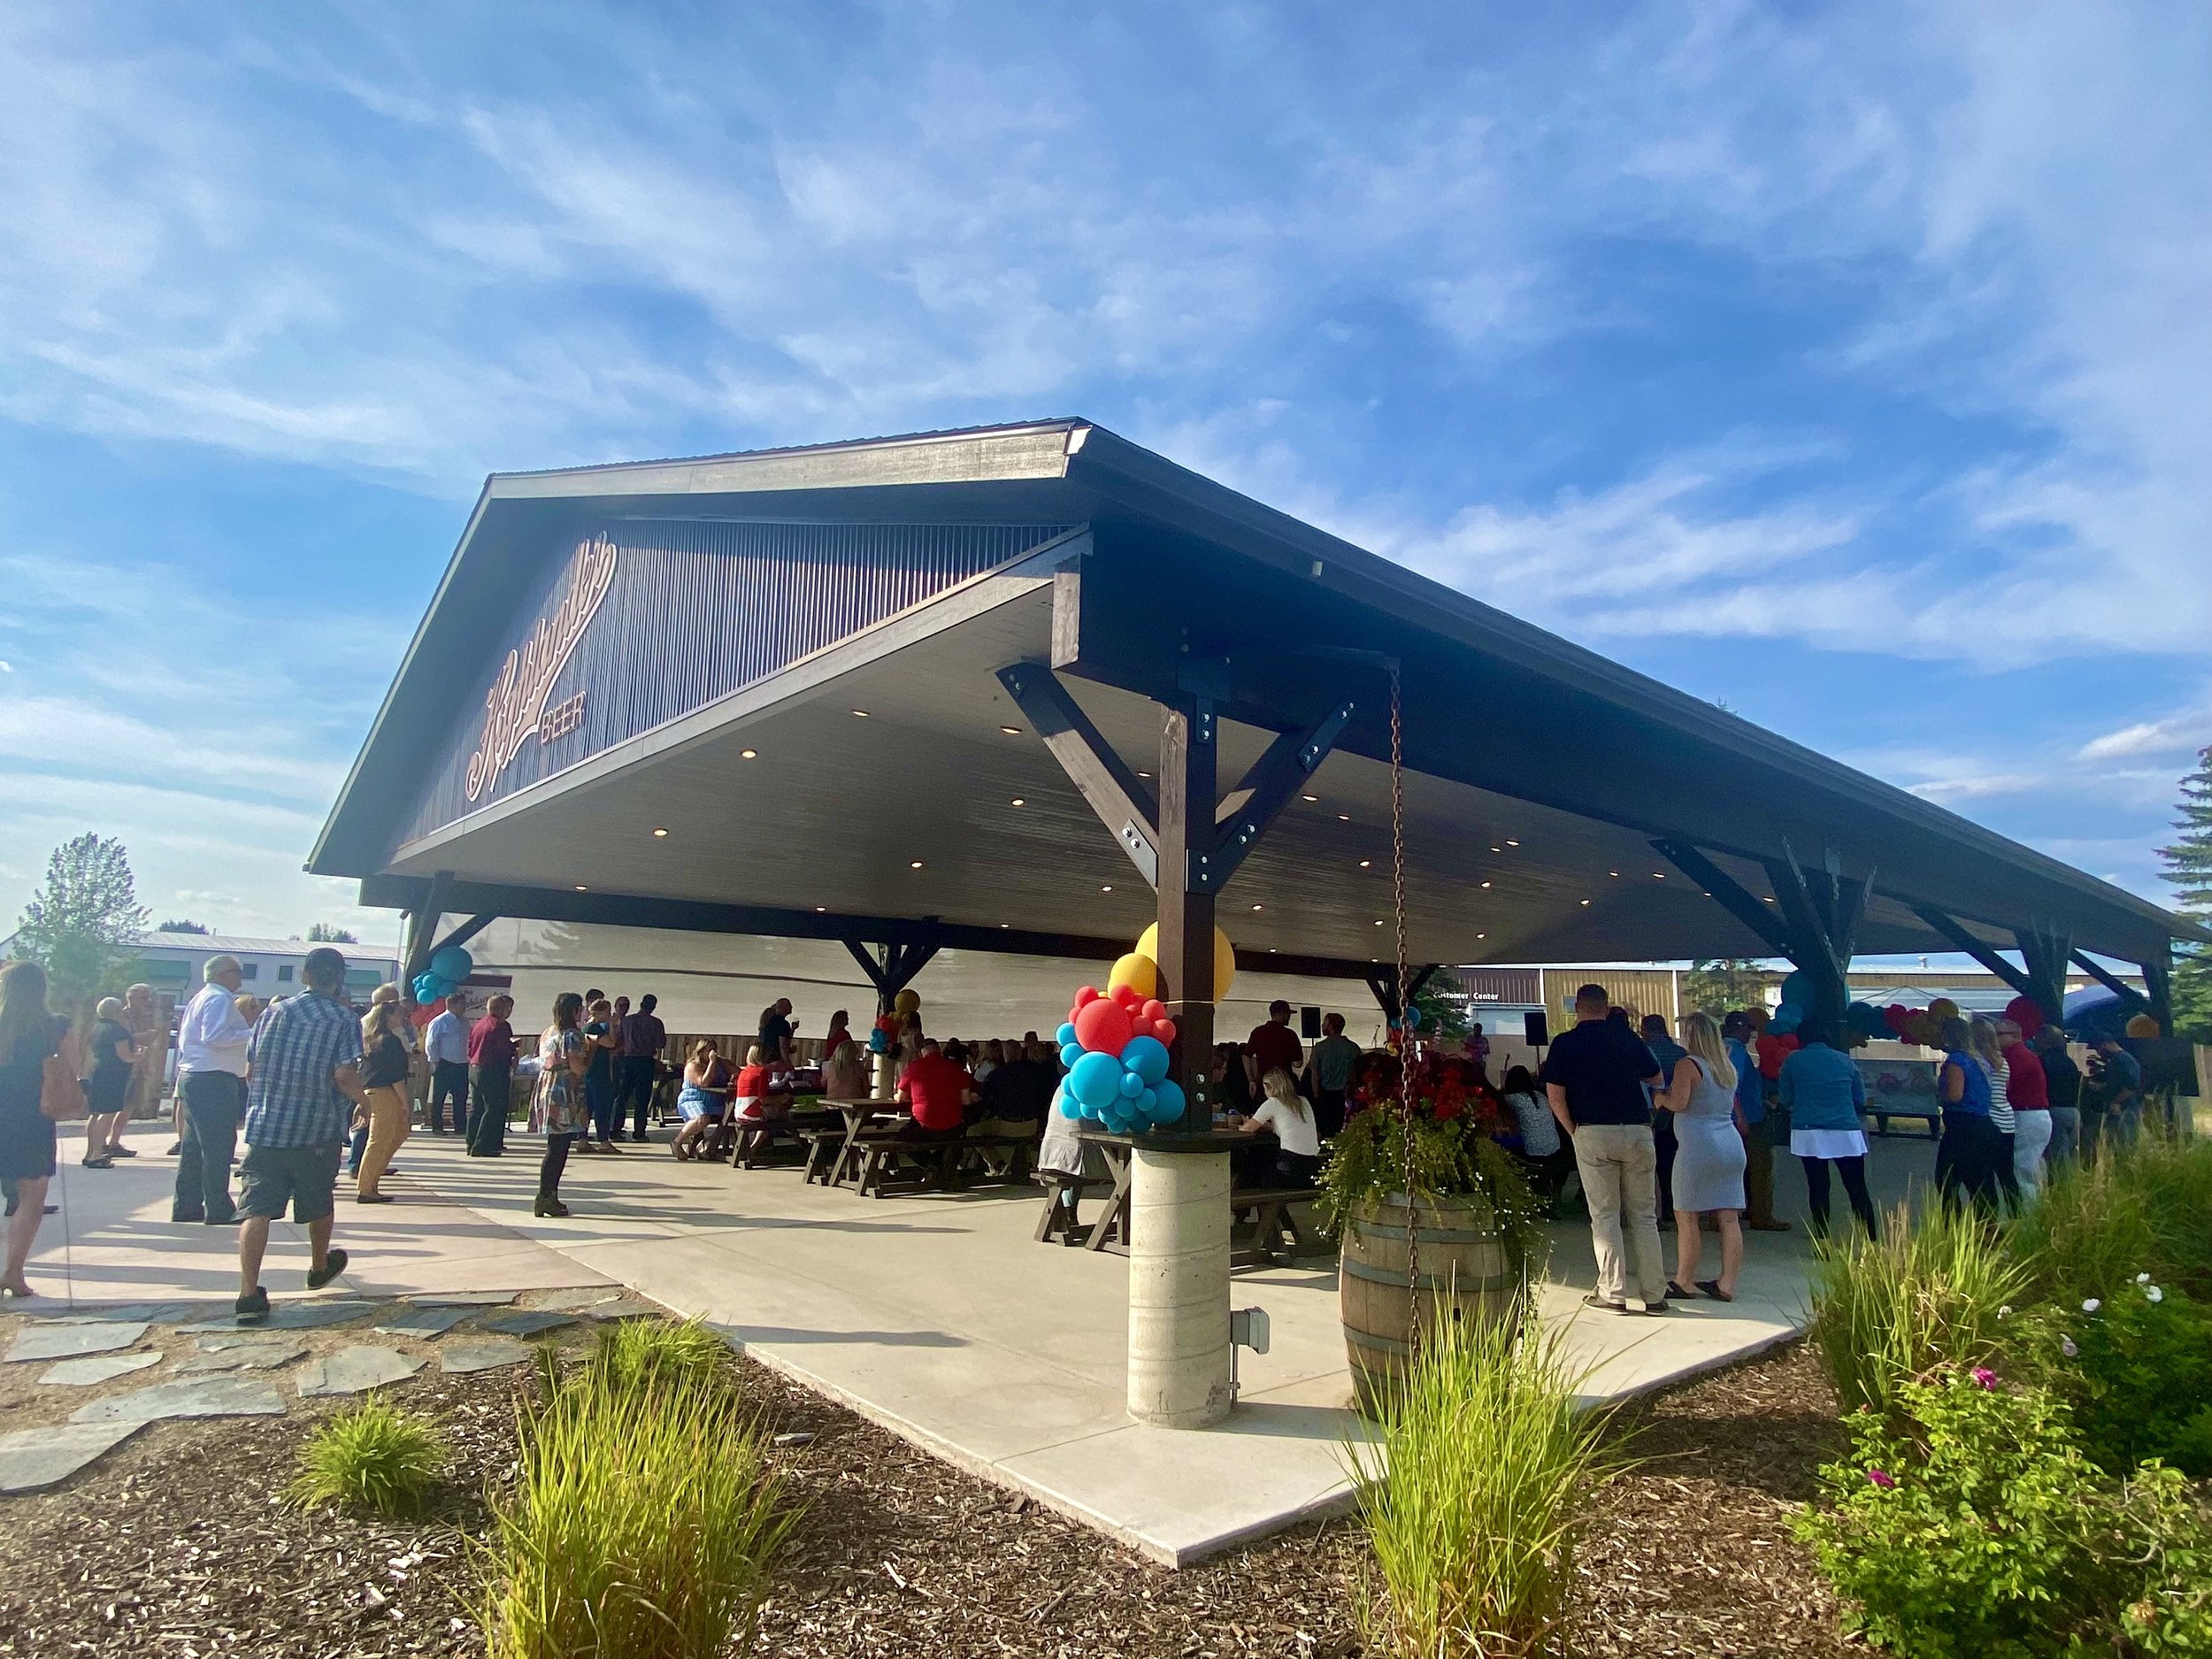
(1852, 365)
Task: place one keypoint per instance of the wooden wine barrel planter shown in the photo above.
(1463, 1274)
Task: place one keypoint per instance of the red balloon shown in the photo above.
(1126, 995)
(1102, 1027)
(1165, 1030)
(425, 1012)
(1088, 994)
(1153, 1009)
(2023, 1011)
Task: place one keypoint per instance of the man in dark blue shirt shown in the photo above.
(1666, 1051)
(1595, 1078)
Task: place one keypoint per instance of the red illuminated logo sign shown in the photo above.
(517, 705)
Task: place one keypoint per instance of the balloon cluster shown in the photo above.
(439, 980)
(1115, 1047)
(1924, 1026)
(885, 1036)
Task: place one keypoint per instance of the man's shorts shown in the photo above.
(306, 1178)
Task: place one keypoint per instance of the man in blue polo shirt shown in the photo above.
(1595, 1077)
(304, 1082)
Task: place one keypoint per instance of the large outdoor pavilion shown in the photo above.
(1030, 688)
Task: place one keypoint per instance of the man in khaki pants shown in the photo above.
(1595, 1078)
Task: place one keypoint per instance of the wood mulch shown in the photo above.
(179, 1544)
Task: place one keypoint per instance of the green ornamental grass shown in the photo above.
(642, 1353)
(644, 1520)
(1471, 1497)
(371, 1459)
(1929, 1293)
(2135, 1209)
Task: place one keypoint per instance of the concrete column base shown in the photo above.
(1180, 1365)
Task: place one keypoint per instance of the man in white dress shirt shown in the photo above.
(211, 1039)
(446, 1045)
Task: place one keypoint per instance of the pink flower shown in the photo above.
(1988, 1377)
(1882, 1479)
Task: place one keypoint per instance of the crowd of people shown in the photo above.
(1661, 1130)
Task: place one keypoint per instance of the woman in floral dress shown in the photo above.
(564, 1056)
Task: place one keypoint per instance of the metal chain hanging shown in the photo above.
(1404, 1000)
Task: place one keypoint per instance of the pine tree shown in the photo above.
(329, 933)
(2189, 871)
(84, 924)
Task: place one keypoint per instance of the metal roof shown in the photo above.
(1580, 760)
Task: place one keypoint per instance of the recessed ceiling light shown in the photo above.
(1107, 888)
(1308, 798)
(1006, 924)
(1612, 872)
(1379, 921)
(1144, 774)
(1367, 864)
(581, 887)
(1658, 875)
(1585, 900)
(1769, 901)
(660, 832)
(1511, 842)
(1020, 801)
(1011, 731)
(748, 754)
(1255, 907)
(821, 909)
(1497, 849)
(862, 713)
(1482, 935)
(914, 865)
(1344, 818)
(1486, 884)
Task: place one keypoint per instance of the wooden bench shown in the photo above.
(1272, 1216)
(937, 1165)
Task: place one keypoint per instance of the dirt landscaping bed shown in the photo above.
(179, 1543)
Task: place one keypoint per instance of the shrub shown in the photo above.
(2134, 1210)
(2135, 1368)
(651, 1353)
(1471, 1497)
(1923, 1296)
(371, 1459)
(643, 1523)
(1979, 1529)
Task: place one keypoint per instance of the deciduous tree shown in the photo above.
(82, 924)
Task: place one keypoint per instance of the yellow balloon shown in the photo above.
(2142, 1025)
(1943, 1008)
(908, 1003)
(1137, 972)
(1224, 958)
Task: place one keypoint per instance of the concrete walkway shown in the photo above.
(934, 1315)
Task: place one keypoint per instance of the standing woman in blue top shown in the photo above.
(1823, 1094)
(1967, 1156)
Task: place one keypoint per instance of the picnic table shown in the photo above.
(856, 1115)
(1271, 1206)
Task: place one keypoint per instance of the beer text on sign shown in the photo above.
(515, 706)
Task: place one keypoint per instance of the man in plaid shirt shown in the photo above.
(303, 1082)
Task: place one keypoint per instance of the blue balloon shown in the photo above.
(1129, 1084)
(1147, 1057)
(1797, 988)
(1786, 1019)
(1069, 1053)
(453, 963)
(1066, 1035)
(1096, 1080)
(878, 1043)
(1168, 1104)
(1148, 1100)
(1069, 1107)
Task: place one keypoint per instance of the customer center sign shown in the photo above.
(517, 705)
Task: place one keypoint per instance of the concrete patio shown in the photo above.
(935, 1315)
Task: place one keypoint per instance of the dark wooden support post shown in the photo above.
(1761, 920)
(2157, 981)
(891, 971)
(2044, 951)
(462, 935)
(1188, 768)
(1115, 794)
(422, 927)
(1821, 907)
(1246, 810)
(2022, 979)
(1384, 983)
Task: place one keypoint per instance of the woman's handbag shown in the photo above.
(60, 1095)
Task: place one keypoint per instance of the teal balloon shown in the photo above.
(1147, 1101)
(1066, 1103)
(1786, 1019)
(1169, 1103)
(454, 964)
(1065, 1036)
(1129, 1084)
(1797, 989)
(1096, 1081)
(1147, 1057)
(1069, 1053)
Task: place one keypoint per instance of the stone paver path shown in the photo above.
(296, 1316)
(357, 1370)
(530, 1322)
(98, 1368)
(32, 1458)
(243, 1353)
(465, 1298)
(195, 1397)
(455, 1358)
(423, 1322)
(69, 1341)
